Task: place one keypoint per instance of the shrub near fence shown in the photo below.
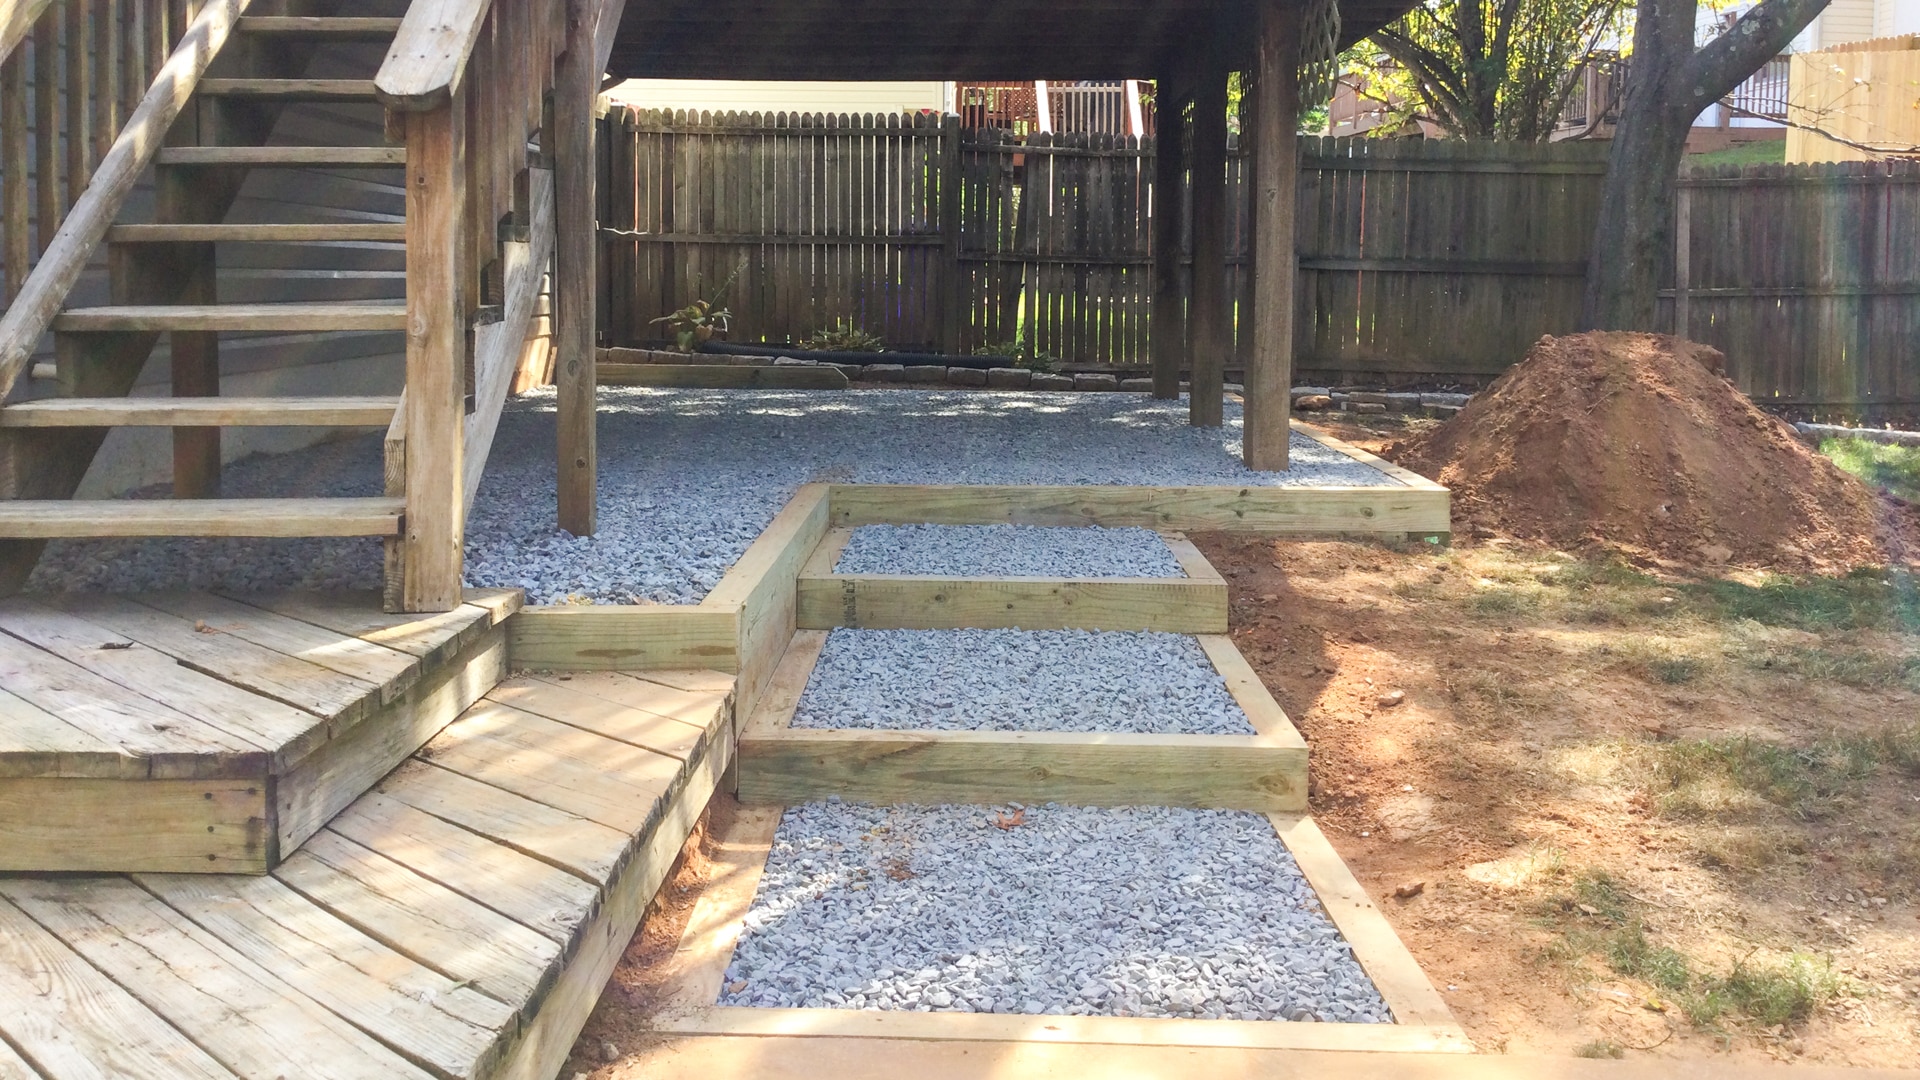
(1440, 258)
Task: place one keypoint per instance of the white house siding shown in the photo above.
(1892, 17)
(724, 95)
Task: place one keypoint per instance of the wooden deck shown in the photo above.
(174, 732)
(457, 921)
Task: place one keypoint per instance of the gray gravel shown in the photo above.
(1149, 912)
(688, 479)
(1018, 680)
(1007, 551)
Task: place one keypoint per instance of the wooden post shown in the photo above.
(576, 85)
(433, 555)
(1208, 318)
(1043, 107)
(1168, 339)
(1276, 179)
(1683, 261)
(953, 299)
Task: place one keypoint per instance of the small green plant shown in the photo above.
(1022, 353)
(844, 337)
(695, 324)
(1892, 469)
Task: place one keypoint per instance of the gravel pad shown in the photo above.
(1151, 911)
(1008, 551)
(1018, 680)
(688, 479)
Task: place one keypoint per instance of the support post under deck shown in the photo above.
(576, 85)
(1210, 330)
(1169, 331)
(1276, 139)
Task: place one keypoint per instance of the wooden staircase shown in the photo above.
(478, 233)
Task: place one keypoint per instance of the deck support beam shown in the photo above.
(576, 85)
(1169, 330)
(1276, 149)
(1208, 322)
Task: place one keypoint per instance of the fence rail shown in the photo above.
(1417, 257)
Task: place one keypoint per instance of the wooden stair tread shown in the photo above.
(319, 26)
(300, 89)
(353, 156)
(50, 520)
(236, 317)
(263, 233)
(202, 412)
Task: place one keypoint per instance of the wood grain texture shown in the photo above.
(285, 157)
(166, 826)
(236, 233)
(899, 601)
(763, 586)
(1395, 510)
(586, 849)
(201, 412)
(429, 53)
(81, 518)
(228, 318)
(617, 638)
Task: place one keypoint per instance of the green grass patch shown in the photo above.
(1867, 599)
(1893, 469)
(1707, 778)
(1758, 152)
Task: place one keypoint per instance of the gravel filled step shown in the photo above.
(1043, 910)
(1018, 680)
(1008, 551)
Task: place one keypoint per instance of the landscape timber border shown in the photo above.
(1195, 603)
(778, 764)
(1423, 1022)
(743, 626)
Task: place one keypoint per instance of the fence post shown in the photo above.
(1682, 257)
(952, 298)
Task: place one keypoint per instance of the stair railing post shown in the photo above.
(433, 543)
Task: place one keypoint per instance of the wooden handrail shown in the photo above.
(429, 54)
(45, 290)
(16, 22)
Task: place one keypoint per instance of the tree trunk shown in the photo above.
(1670, 84)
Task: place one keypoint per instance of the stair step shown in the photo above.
(283, 156)
(49, 520)
(235, 317)
(201, 412)
(266, 233)
(290, 89)
(312, 26)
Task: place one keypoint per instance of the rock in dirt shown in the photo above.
(1410, 890)
(1392, 698)
(1636, 443)
(1314, 403)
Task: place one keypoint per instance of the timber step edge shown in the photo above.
(319, 26)
(234, 317)
(201, 412)
(379, 231)
(126, 518)
(283, 156)
(290, 89)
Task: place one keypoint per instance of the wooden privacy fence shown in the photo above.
(1417, 257)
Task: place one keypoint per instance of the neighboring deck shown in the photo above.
(457, 921)
(192, 731)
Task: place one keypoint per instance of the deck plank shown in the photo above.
(574, 770)
(280, 729)
(526, 890)
(417, 1012)
(389, 670)
(15, 1067)
(75, 1023)
(263, 671)
(34, 742)
(421, 918)
(358, 614)
(659, 698)
(587, 849)
(175, 745)
(635, 727)
(694, 680)
(244, 1017)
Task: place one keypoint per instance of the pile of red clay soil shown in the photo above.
(1638, 443)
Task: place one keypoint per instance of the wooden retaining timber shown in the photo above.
(780, 764)
(1422, 1022)
(1194, 604)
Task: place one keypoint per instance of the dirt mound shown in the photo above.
(1636, 442)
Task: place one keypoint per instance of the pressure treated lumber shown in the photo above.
(201, 412)
(167, 826)
(233, 317)
(322, 27)
(1209, 324)
(722, 376)
(1276, 182)
(77, 518)
(290, 89)
(625, 638)
(576, 83)
(267, 233)
(429, 54)
(284, 156)
(67, 253)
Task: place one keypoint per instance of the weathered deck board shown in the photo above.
(586, 849)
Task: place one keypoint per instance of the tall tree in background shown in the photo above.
(1487, 69)
(1672, 81)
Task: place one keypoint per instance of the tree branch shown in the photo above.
(1757, 37)
(1868, 148)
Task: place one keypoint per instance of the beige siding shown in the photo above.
(722, 95)
(1845, 21)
